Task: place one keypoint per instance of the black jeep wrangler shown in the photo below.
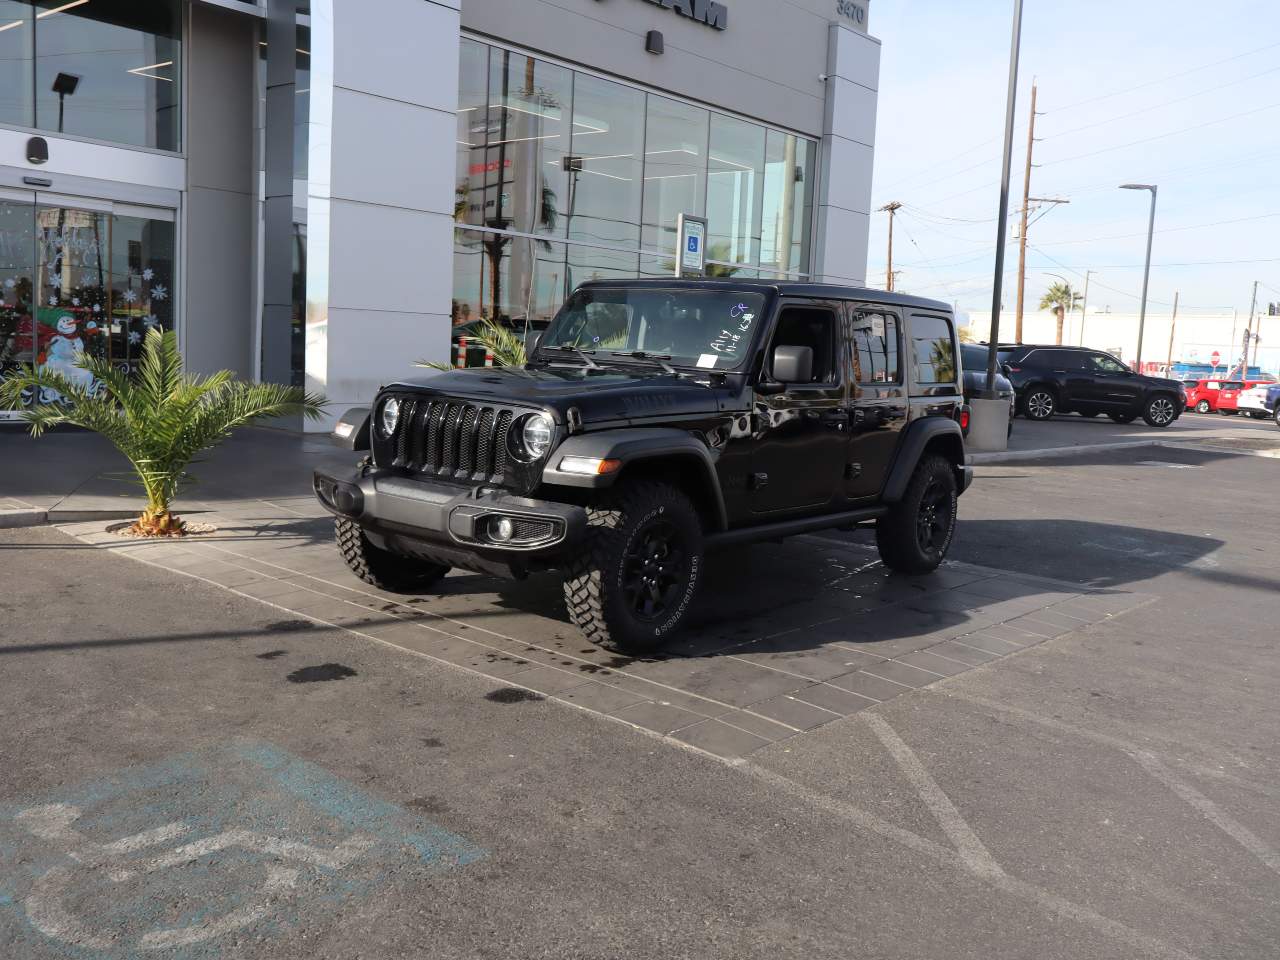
(655, 421)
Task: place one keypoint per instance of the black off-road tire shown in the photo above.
(623, 526)
(1160, 410)
(381, 568)
(1277, 415)
(1039, 403)
(1123, 417)
(900, 534)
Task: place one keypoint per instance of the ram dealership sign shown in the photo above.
(704, 11)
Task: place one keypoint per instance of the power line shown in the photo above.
(1160, 106)
(1080, 103)
(1130, 236)
(1162, 136)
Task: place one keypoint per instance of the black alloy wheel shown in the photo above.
(634, 581)
(1159, 411)
(1040, 404)
(935, 516)
(655, 570)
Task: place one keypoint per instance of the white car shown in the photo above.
(1253, 402)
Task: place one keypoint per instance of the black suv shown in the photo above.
(657, 420)
(1054, 379)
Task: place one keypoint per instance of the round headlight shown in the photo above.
(536, 435)
(390, 415)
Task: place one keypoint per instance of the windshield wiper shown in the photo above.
(659, 359)
(570, 348)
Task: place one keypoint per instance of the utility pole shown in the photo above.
(1084, 304)
(1022, 233)
(1173, 325)
(891, 209)
(1248, 331)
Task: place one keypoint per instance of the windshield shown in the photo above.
(710, 329)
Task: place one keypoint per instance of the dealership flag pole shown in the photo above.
(1002, 222)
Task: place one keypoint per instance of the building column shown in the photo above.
(380, 193)
(848, 142)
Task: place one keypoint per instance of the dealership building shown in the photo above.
(324, 193)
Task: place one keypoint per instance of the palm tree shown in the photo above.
(159, 420)
(505, 344)
(1060, 298)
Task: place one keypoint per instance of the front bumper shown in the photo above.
(460, 527)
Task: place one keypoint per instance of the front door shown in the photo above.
(802, 433)
(879, 400)
(1112, 385)
(80, 276)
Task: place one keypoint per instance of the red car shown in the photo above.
(1229, 393)
(1202, 395)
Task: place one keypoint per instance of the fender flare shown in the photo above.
(911, 448)
(632, 446)
(351, 432)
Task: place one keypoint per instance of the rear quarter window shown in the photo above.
(932, 351)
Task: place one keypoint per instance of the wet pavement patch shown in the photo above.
(321, 673)
(287, 626)
(190, 856)
(512, 695)
(271, 654)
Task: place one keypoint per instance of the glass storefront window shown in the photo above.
(788, 203)
(599, 172)
(106, 69)
(735, 190)
(675, 169)
(605, 168)
(17, 49)
(75, 280)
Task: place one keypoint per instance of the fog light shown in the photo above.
(502, 529)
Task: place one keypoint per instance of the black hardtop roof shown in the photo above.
(793, 288)
(1046, 346)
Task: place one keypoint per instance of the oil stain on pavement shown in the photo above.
(321, 673)
(178, 855)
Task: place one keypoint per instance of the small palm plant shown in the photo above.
(159, 420)
(1061, 299)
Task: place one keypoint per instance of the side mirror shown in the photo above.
(1006, 369)
(793, 364)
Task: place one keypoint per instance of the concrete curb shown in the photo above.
(11, 519)
(1050, 453)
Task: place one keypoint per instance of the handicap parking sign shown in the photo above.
(171, 858)
(693, 244)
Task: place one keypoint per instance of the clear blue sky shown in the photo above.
(1182, 94)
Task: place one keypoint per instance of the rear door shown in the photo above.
(879, 396)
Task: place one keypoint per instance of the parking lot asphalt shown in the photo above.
(295, 789)
(1072, 430)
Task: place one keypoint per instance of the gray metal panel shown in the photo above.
(90, 187)
(217, 316)
(766, 65)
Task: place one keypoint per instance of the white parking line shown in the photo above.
(971, 849)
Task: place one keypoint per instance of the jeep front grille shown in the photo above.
(452, 439)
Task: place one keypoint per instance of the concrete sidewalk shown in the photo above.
(72, 475)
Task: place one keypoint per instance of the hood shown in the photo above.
(609, 393)
(1174, 385)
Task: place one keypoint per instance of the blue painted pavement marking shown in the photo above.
(179, 857)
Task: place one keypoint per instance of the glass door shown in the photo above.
(80, 276)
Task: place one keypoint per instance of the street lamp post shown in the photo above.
(1146, 273)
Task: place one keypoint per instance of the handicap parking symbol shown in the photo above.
(173, 858)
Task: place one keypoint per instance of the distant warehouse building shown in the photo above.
(325, 192)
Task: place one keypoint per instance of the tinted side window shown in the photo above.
(875, 348)
(811, 327)
(933, 350)
(1057, 359)
(1101, 363)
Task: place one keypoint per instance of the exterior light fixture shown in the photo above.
(653, 42)
(37, 150)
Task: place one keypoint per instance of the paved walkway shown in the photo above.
(785, 638)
